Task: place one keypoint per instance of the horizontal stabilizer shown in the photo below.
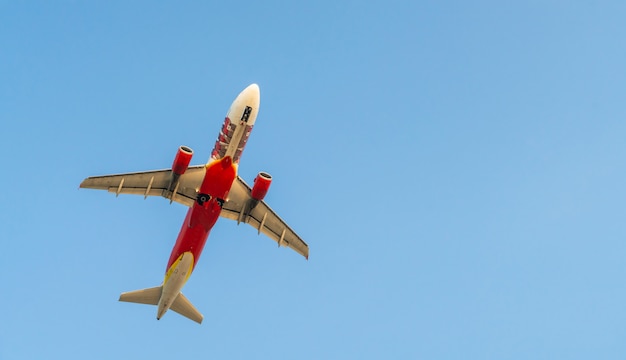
(183, 306)
(149, 296)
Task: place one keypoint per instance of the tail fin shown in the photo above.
(151, 296)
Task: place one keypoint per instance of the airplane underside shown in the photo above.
(210, 191)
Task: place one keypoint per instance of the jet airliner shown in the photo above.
(210, 191)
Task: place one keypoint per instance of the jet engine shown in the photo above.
(261, 185)
(182, 160)
(179, 166)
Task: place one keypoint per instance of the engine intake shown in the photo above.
(261, 185)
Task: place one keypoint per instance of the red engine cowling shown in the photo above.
(261, 185)
(182, 160)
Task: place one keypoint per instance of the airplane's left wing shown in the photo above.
(242, 208)
(151, 183)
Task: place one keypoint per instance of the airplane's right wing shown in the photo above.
(261, 217)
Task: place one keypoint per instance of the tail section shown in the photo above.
(152, 296)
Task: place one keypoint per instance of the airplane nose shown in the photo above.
(246, 105)
(250, 96)
(253, 89)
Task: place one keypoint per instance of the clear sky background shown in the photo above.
(456, 167)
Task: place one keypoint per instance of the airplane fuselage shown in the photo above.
(220, 172)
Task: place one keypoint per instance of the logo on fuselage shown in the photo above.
(246, 114)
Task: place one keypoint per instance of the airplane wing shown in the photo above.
(240, 207)
(151, 183)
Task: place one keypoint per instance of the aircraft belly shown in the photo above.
(175, 279)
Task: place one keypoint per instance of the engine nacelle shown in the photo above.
(261, 185)
(182, 160)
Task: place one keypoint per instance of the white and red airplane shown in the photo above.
(210, 191)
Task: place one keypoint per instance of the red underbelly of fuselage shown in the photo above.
(204, 213)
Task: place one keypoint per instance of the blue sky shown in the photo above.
(457, 169)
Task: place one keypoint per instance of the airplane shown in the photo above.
(210, 191)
